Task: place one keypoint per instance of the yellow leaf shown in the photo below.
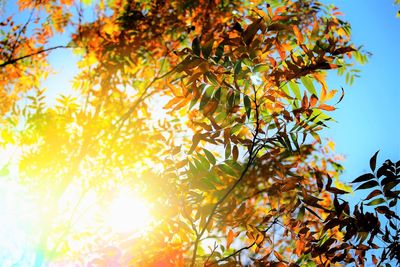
(331, 145)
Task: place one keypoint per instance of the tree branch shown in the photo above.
(236, 252)
(14, 60)
(252, 155)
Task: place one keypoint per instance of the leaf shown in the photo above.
(295, 88)
(343, 50)
(304, 101)
(278, 255)
(261, 68)
(298, 34)
(206, 97)
(367, 185)
(196, 46)
(308, 84)
(375, 202)
(195, 142)
(227, 169)
(374, 193)
(313, 100)
(336, 191)
(237, 67)
(235, 152)
(363, 178)
(240, 211)
(229, 239)
(326, 107)
(382, 209)
(228, 150)
(316, 136)
(247, 105)
(374, 260)
(212, 78)
(312, 212)
(251, 31)
(4, 171)
(372, 161)
(207, 48)
(219, 52)
(210, 156)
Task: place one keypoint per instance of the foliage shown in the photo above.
(383, 197)
(233, 158)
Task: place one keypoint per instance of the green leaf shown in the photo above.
(217, 94)
(376, 202)
(260, 68)
(206, 97)
(295, 89)
(210, 156)
(236, 128)
(294, 140)
(212, 78)
(227, 169)
(247, 105)
(228, 150)
(308, 84)
(204, 161)
(237, 67)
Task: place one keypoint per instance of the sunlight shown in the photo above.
(128, 213)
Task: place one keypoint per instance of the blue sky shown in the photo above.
(368, 118)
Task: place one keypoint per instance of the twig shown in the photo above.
(236, 252)
(14, 60)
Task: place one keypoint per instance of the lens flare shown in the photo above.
(128, 213)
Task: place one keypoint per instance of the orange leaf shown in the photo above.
(172, 102)
(313, 100)
(298, 34)
(374, 260)
(229, 239)
(278, 256)
(326, 107)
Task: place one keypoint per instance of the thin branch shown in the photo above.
(237, 252)
(252, 155)
(14, 60)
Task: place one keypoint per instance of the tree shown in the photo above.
(234, 159)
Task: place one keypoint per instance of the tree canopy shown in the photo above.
(210, 111)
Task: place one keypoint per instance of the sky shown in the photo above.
(368, 118)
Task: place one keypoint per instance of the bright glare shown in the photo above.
(128, 213)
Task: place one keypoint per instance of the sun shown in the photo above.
(128, 213)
